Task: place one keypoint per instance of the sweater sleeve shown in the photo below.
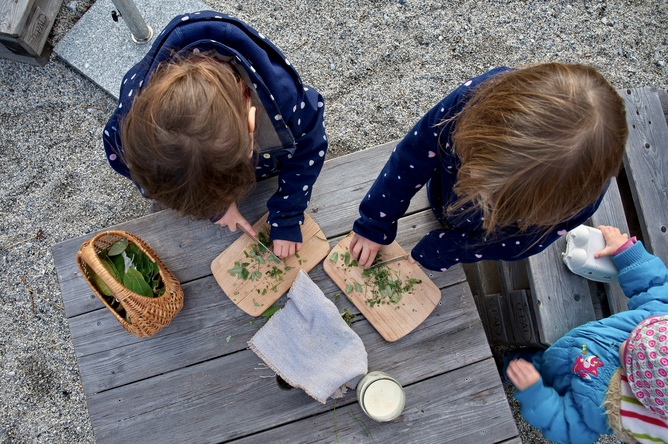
(441, 249)
(560, 418)
(408, 169)
(299, 170)
(642, 276)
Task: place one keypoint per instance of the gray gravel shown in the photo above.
(380, 65)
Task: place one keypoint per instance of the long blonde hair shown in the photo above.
(186, 140)
(537, 145)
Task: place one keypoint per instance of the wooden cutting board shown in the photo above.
(393, 321)
(256, 295)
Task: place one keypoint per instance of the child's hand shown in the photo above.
(364, 250)
(232, 218)
(522, 374)
(283, 248)
(613, 240)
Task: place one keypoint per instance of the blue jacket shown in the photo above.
(425, 157)
(291, 127)
(565, 403)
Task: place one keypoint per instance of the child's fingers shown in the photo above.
(410, 258)
(298, 246)
(354, 249)
(364, 258)
(607, 251)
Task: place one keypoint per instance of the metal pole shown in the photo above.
(141, 32)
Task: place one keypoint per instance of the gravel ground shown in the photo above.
(380, 65)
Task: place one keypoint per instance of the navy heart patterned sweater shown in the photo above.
(425, 158)
(291, 132)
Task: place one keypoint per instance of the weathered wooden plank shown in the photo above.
(487, 277)
(663, 98)
(426, 419)
(39, 24)
(224, 398)
(497, 319)
(109, 357)
(13, 16)
(513, 276)
(39, 60)
(521, 318)
(561, 299)
(188, 246)
(611, 212)
(344, 181)
(646, 163)
(487, 283)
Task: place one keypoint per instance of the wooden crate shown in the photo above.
(24, 27)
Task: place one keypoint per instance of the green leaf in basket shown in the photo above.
(349, 288)
(334, 257)
(99, 283)
(109, 265)
(119, 265)
(134, 281)
(118, 247)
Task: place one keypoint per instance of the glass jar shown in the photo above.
(381, 397)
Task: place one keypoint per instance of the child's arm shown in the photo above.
(298, 171)
(441, 249)
(642, 276)
(408, 169)
(560, 418)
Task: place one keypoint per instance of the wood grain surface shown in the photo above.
(254, 296)
(393, 321)
(646, 163)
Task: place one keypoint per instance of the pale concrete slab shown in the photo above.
(103, 50)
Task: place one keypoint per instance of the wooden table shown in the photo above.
(190, 383)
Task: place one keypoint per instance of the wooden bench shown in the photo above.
(189, 384)
(24, 28)
(537, 300)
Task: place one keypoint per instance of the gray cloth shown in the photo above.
(309, 345)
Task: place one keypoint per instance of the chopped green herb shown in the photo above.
(334, 257)
(349, 288)
(228, 338)
(269, 312)
(348, 316)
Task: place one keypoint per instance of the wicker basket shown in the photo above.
(148, 315)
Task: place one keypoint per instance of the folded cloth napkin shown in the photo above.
(309, 345)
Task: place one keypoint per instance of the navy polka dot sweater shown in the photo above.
(291, 135)
(425, 158)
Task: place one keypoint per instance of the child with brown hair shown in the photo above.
(607, 376)
(511, 160)
(212, 107)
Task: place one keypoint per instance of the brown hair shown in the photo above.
(537, 145)
(186, 139)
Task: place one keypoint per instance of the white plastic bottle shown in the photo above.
(582, 243)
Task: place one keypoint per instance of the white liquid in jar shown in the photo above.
(382, 398)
